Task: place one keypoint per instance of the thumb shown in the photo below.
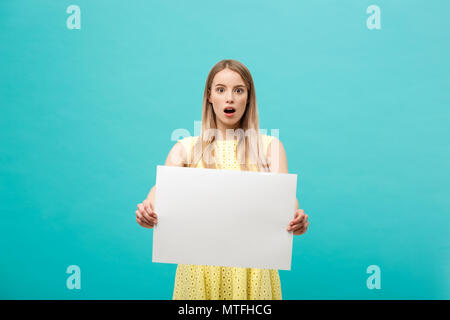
(148, 206)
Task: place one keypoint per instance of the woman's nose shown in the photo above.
(229, 97)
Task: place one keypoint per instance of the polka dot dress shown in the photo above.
(196, 282)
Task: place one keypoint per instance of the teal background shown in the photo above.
(87, 115)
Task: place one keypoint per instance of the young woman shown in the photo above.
(229, 139)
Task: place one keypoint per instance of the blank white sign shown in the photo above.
(224, 217)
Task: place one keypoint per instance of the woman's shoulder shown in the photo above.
(185, 139)
(188, 142)
(273, 145)
(266, 140)
(266, 137)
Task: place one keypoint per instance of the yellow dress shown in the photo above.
(199, 282)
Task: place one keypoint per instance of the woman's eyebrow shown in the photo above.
(239, 85)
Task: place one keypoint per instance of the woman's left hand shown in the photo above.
(299, 224)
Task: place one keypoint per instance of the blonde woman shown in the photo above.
(229, 139)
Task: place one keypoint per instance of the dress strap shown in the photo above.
(188, 143)
(266, 142)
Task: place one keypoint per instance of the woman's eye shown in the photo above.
(238, 90)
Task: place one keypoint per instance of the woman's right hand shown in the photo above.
(145, 215)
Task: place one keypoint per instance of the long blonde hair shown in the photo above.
(249, 147)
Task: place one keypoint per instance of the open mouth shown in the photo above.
(229, 110)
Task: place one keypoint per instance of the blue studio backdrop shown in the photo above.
(91, 92)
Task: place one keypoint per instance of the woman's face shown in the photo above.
(228, 92)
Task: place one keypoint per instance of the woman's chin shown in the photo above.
(231, 122)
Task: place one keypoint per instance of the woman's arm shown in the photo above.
(145, 216)
(175, 158)
(276, 156)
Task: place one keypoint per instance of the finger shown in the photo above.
(293, 221)
(148, 206)
(302, 229)
(298, 212)
(142, 217)
(151, 205)
(139, 216)
(291, 229)
(298, 220)
(299, 232)
(153, 215)
(150, 217)
(141, 208)
(143, 224)
(299, 226)
(140, 221)
(153, 221)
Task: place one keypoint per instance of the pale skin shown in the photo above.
(227, 89)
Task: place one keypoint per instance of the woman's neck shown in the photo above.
(223, 130)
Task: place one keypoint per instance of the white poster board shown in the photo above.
(224, 217)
